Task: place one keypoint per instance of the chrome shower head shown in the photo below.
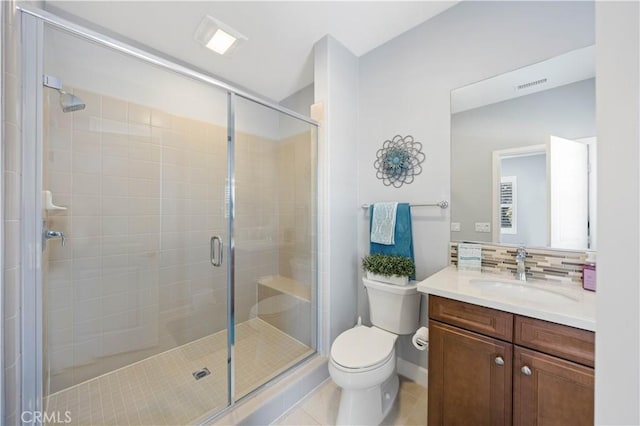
(68, 102)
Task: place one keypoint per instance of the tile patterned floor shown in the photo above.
(321, 406)
(161, 390)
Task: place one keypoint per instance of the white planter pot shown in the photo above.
(390, 279)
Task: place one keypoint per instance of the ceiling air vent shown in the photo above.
(531, 84)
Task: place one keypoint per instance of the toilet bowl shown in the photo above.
(363, 364)
(363, 359)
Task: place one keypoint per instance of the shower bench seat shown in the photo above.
(286, 304)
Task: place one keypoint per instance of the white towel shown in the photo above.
(383, 223)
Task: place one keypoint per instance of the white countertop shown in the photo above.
(561, 303)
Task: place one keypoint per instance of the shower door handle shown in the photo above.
(216, 255)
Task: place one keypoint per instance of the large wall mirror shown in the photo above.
(523, 156)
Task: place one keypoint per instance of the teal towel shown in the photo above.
(403, 235)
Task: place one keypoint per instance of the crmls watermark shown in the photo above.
(46, 417)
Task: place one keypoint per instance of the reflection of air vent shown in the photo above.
(508, 205)
(531, 84)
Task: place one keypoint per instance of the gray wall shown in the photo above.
(404, 88)
(567, 111)
(531, 201)
(299, 102)
(618, 302)
(336, 87)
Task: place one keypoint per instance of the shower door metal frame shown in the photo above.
(2, 194)
(33, 20)
(31, 214)
(231, 258)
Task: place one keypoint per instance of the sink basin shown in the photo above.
(524, 291)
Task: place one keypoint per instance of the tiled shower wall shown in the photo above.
(11, 155)
(288, 303)
(296, 193)
(145, 192)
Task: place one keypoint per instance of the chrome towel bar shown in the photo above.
(441, 204)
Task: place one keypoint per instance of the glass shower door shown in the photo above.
(275, 243)
(135, 178)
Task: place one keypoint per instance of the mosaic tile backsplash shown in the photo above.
(543, 264)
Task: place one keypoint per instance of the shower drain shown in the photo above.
(199, 374)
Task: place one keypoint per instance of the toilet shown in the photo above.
(363, 359)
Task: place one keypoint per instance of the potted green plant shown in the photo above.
(388, 268)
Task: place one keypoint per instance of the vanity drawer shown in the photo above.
(487, 321)
(555, 339)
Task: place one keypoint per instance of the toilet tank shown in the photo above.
(395, 308)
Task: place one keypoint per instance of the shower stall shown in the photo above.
(175, 238)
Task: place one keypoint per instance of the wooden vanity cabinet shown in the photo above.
(553, 392)
(489, 367)
(472, 380)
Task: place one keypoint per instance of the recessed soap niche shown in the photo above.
(544, 264)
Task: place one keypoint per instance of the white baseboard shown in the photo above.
(412, 371)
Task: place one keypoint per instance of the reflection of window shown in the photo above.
(508, 211)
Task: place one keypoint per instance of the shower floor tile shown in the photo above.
(161, 390)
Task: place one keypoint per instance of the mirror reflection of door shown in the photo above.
(544, 195)
(568, 193)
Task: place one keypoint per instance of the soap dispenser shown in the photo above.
(589, 272)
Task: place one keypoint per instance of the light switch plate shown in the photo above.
(455, 226)
(483, 227)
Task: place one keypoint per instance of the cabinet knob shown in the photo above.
(526, 370)
(499, 360)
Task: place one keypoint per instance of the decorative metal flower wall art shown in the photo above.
(399, 160)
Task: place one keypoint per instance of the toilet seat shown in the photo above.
(363, 348)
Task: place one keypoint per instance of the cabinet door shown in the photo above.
(469, 378)
(551, 391)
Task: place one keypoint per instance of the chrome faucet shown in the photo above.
(521, 255)
(47, 235)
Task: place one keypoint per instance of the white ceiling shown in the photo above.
(276, 61)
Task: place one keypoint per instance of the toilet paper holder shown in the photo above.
(421, 339)
(422, 342)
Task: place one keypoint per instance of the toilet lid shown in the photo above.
(362, 347)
